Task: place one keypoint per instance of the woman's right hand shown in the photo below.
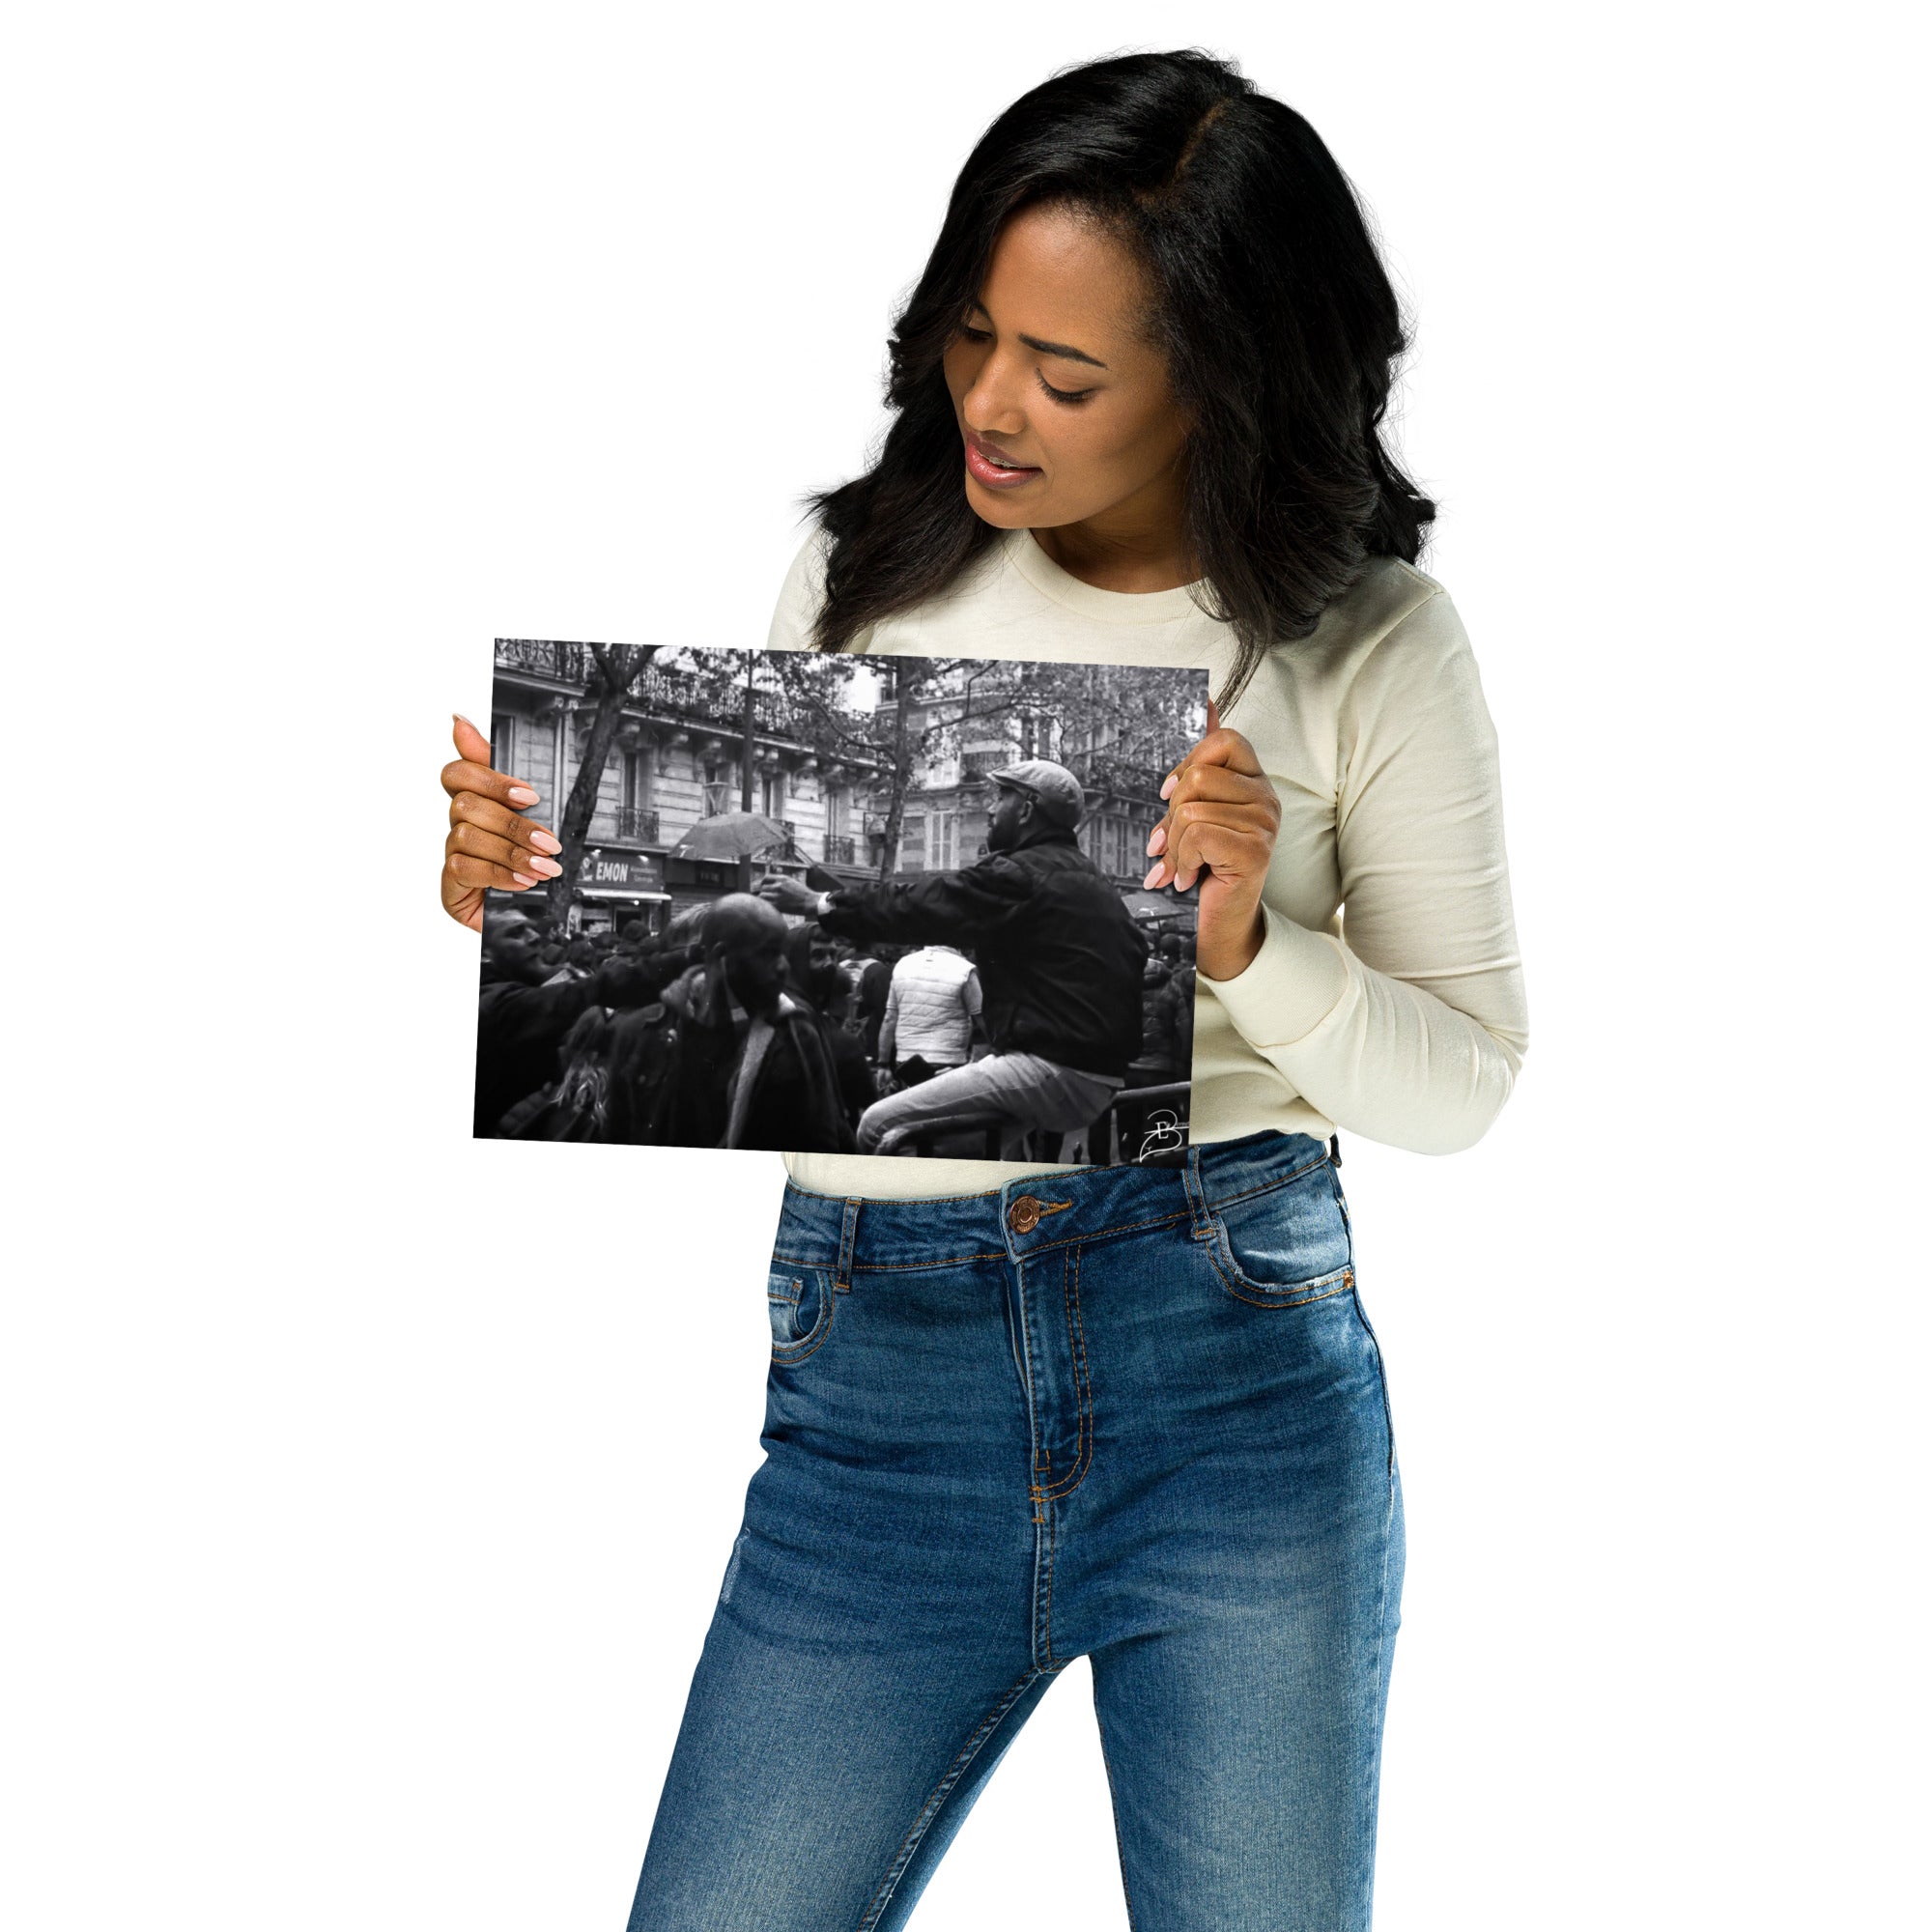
(491, 843)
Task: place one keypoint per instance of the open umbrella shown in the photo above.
(1161, 908)
(734, 835)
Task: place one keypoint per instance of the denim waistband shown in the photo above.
(1034, 1214)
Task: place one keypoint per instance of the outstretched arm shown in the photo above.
(947, 907)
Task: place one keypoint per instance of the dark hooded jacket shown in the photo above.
(1059, 957)
(795, 1102)
(519, 1029)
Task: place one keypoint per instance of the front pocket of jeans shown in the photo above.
(800, 1302)
(1286, 1243)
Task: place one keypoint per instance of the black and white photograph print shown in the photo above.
(839, 903)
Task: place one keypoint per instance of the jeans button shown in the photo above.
(1023, 1216)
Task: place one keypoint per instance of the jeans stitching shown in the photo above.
(1381, 1382)
(1248, 1194)
(1042, 1454)
(782, 1355)
(1372, 1730)
(996, 1254)
(886, 1268)
(1044, 1633)
(1104, 1234)
(1083, 1453)
(899, 1267)
(1237, 1286)
(1213, 1234)
(1024, 1326)
(848, 1236)
(968, 1751)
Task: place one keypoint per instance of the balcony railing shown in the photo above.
(841, 848)
(680, 695)
(668, 693)
(635, 822)
(568, 664)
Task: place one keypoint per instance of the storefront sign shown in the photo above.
(612, 874)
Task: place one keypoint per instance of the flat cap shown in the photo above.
(1052, 788)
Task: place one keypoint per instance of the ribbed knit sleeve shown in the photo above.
(1411, 1027)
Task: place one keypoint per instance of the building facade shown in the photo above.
(679, 759)
(978, 721)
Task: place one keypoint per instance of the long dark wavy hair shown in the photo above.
(1269, 302)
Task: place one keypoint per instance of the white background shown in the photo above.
(367, 1489)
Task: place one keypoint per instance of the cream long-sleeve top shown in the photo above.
(1387, 997)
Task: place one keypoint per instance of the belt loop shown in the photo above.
(841, 1276)
(1196, 1195)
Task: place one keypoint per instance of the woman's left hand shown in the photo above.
(1222, 817)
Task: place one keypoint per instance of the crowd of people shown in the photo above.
(962, 1013)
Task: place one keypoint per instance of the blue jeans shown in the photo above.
(1135, 1415)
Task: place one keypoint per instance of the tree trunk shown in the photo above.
(747, 752)
(749, 749)
(618, 668)
(902, 781)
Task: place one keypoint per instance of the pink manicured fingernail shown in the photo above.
(1148, 882)
(522, 795)
(543, 842)
(1159, 839)
(549, 868)
(1172, 780)
(461, 720)
(523, 878)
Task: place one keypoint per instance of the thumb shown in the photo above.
(1213, 717)
(470, 743)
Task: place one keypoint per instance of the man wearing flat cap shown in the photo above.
(1059, 961)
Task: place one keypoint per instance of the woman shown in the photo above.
(1017, 1416)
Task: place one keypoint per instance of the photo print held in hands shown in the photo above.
(839, 903)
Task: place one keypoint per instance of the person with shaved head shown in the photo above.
(526, 1010)
(521, 1013)
(749, 1065)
